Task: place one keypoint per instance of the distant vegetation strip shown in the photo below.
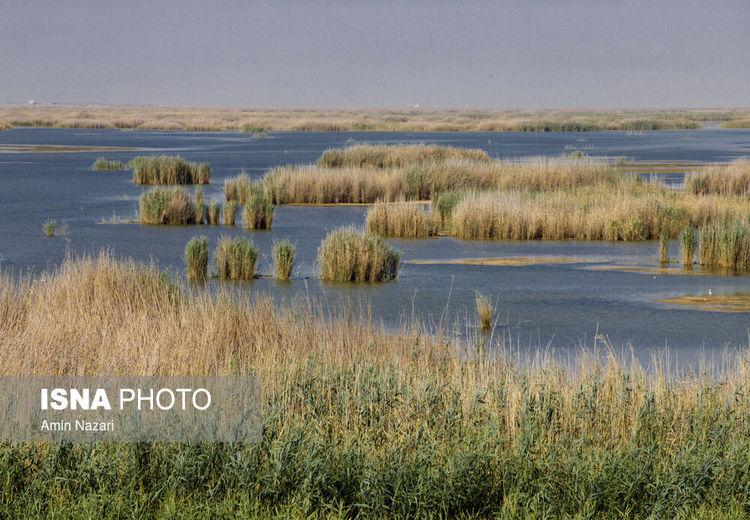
(259, 121)
(166, 169)
(364, 421)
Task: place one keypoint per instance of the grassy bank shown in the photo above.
(169, 170)
(360, 422)
(259, 120)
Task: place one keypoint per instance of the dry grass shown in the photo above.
(402, 219)
(350, 255)
(641, 211)
(172, 206)
(374, 423)
(485, 310)
(169, 170)
(236, 259)
(384, 156)
(317, 120)
(728, 179)
(425, 181)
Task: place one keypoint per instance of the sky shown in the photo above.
(378, 54)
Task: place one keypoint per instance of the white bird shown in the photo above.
(709, 292)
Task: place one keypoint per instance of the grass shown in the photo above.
(485, 311)
(241, 189)
(258, 213)
(425, 181)
(196, 258)
(445, 203)
(640, 211)
(726, 245)
(230, 213)
(383, 156)
(341, 120)
(728, 179)
(172, 206)
(169, 170)
(236, 259)
(402, 219)
(688, 243)
(283, 259)
(350, 255)
(214, 214)
(50, 227)
(364, 422)
(664, 248)
(102, 164)
(201, 208)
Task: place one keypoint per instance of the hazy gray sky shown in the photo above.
(378, 54)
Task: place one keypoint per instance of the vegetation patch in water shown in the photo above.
(169, 170)
(351, 255)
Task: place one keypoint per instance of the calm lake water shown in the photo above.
(559, 305)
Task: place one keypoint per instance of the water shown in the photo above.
(562, 305)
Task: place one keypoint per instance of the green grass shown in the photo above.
(172, 206)
(102, 164)
(445, 203)
(258, 213)
(235, 259)
(350, 255)
(50, 227)
(196, 258)
(663, 248)
(726, 245)
(283, 259)
(229, 213)
(688, 243)
(168, 170)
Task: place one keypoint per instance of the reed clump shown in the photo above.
(236, 259)
(214, 214)
(102, 164)
(729, 179)
(383, 156)
(485, 310)
(361, 421)
(172, 206)
(241, 189)
(196, 258)
(688, 243)
(445, 203)
(50, 227)
(726, 245)
(402, 219)
(258, 213)
(663, 248)
(201, 208)
(351, 255)
(283, 259)
(169, 170)
(229, 213)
